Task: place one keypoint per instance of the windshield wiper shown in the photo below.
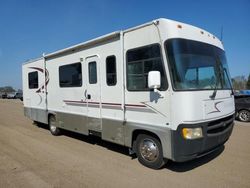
(231, 87)
(215, 91)
(218, 75)
(218, 62)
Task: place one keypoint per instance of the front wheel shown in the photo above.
(149, 151)
(244, 115)
(52, 126)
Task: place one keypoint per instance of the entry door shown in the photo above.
(93, 94)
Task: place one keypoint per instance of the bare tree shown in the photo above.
(248, 83)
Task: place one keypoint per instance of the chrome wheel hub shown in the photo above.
(149, 150)
(244, 116)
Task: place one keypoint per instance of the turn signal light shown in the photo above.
(192, 133)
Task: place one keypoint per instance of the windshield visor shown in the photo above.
(197, 66)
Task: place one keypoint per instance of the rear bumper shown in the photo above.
(215, 134)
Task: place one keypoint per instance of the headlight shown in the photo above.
(192, 133)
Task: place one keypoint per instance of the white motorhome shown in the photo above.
(162, 89)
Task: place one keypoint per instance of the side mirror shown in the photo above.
(154, 80)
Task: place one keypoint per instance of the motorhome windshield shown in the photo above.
(196, 66)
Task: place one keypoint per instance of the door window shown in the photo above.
(92, 73)
(111, 70)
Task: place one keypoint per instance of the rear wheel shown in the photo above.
(52, 126)
(244, 115)
(149, 151)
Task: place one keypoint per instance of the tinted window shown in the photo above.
(111, 71)
(199, 76)
(139, 62)
(92, 73)
(70, 75)
(33, 80)
(196, 65)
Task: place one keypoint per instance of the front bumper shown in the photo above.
(215, 134)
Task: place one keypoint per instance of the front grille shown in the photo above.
(219, 125)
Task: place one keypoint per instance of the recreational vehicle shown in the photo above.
(162, 89)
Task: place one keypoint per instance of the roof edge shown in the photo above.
(80, 45)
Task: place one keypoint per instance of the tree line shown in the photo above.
(8, 89)
(241, 83)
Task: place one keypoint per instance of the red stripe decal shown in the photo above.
(110, 104)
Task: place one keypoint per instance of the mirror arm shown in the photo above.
(157, 91)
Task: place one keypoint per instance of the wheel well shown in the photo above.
(243, 109)
(238, 110)
(237, 113)
(51, 114)
(137, 132)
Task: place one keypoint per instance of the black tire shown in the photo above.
(52, 126)
(244, 115)
(149, 151)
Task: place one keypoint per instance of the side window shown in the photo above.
(33, 80)
(111, 70)
(70, 75)
(92, 73)
(140, 61)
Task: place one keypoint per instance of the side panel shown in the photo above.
(72, 122)
(164, 134)
(67, 102)
(145, 107)
(111, 96)
(71, 105)
(39, 115)
(34, 94)
(144, 110)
